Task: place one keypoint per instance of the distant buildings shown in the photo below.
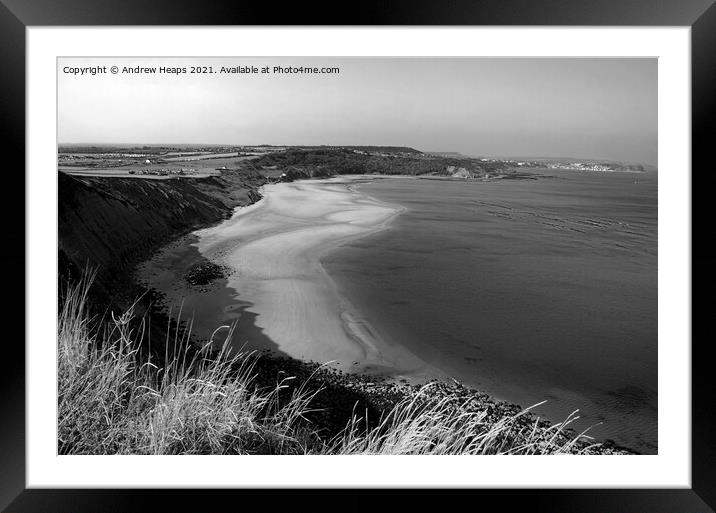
(581, 166)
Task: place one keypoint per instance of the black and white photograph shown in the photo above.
(357, 256)
(409, 252)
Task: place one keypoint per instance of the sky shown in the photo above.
(594, 108)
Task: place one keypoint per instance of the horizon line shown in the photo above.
(469, 155)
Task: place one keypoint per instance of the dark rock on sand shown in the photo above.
(205, 272)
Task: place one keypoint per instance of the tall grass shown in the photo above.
(113, 401)
(425, 424)
(114, 398)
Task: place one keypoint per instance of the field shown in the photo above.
(152, 162)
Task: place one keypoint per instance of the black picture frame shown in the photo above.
(17, 15)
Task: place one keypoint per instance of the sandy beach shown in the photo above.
(273, 251)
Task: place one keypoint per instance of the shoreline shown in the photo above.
(272, 258)
(296, 302)
(274, 249)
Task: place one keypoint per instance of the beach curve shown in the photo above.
(274, 249)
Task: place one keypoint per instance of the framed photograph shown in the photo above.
(424, 248)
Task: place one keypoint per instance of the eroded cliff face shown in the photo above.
(112, 223)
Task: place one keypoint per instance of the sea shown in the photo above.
(532, 290)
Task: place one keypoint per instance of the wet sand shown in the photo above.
(273, 250)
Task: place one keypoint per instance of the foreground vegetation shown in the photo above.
(116, 396)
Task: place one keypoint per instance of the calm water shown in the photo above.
(527, 289)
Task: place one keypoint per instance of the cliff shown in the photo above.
(112, 223)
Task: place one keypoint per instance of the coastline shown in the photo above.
(279, 272)
(273, 249)
(284, 298)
